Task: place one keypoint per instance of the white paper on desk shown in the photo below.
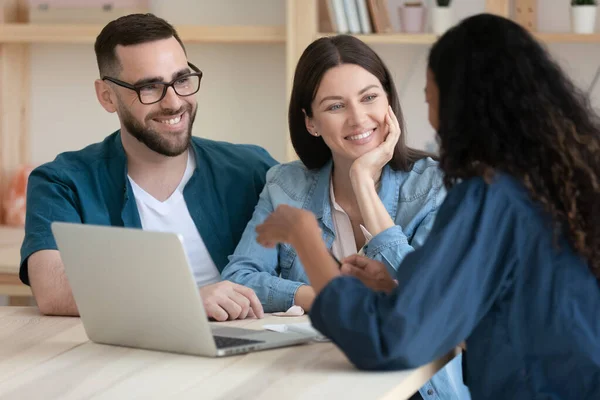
(293, 311)
(304, 328)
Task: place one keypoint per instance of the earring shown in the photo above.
(316, 134)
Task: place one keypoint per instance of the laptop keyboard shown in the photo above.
(224, 342)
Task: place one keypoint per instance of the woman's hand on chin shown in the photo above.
(370, 164)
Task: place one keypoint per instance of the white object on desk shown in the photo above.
(304, 328)
(293, 311)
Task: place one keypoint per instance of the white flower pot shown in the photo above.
(583, 19)
(442, 19)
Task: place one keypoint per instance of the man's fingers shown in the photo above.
(231, 307)
(255, 304)
(242, 301)
(214, 311)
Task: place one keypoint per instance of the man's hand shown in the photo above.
(372, 273)
(228, 301)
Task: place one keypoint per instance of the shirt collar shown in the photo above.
(319, 198)
(337, 209)
(118, 171)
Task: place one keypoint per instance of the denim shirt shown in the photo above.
(411, 199)
(493, 271)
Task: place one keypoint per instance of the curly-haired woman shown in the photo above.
(512, 264)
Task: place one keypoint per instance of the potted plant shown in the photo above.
(441, 17)
(412, 16)
(583, 16)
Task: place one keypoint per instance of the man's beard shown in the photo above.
(154, 140)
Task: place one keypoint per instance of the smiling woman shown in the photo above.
(370, 192)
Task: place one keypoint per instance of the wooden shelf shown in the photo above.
(393, 38)
(68, 33)
(568, 38)
(429, 38)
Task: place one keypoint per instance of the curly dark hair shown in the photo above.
(320, 56)
(505, 105)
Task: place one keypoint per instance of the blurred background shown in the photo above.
(243, 94)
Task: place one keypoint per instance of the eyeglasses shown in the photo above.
(150, 93)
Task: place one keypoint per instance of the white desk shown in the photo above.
(51, 358)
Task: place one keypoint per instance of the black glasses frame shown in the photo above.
(166, 85)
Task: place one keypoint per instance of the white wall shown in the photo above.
(241, 98)
(408, 63)
(242, 95)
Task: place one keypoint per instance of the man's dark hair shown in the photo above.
(127, 31)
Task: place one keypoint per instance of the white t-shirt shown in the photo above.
(172, 215)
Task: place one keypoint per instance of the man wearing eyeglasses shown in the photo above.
(150, 174)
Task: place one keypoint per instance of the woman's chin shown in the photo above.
(359, 151)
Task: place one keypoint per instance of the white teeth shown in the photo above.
(361, 135)
(171, 121)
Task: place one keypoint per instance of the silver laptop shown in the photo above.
(135, 288)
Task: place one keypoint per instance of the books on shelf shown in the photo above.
(340, 16)
(380, 16)
(364, 16)
(83, 12)
(326, 17)
(354, 16)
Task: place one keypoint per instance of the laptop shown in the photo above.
(135, 288)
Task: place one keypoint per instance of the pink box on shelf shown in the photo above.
(82, 12)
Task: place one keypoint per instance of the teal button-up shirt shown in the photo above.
(90, 186)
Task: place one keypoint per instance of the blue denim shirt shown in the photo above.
(491, 272)
(411, 198)
(90, 186)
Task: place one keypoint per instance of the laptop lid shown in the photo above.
(134, 288)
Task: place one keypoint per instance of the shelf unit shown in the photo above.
(300, 30)
(24, 33)
(429, 38)
(567, 37)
